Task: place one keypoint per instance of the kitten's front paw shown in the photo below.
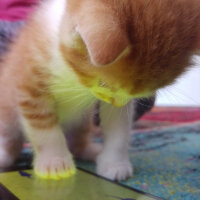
(54, 167)
(114, 170)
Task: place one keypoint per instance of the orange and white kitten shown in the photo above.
(73, 52)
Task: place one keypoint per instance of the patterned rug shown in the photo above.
(165, 151)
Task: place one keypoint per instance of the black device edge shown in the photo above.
(120, 184)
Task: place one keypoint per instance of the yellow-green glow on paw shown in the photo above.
(57, 175)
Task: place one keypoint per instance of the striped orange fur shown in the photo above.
(116, 50)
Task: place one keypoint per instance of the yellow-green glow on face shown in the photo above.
(72, 97)
(117, 98)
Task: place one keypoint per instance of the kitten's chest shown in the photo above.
(71, 97)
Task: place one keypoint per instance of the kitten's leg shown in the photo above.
(52, 160)
(81, 138)
(52, 157)
(113, 162)
(11, 139)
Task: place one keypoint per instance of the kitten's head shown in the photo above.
(122, 49)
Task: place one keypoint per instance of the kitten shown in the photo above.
(73, 52)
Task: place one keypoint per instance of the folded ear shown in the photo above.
(103, 36)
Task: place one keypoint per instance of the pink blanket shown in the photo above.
(13, 10)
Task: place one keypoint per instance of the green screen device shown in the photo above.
(23, 185)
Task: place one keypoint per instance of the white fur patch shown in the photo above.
(52, 12)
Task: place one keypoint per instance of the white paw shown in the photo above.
(114, 170)
(54, 167)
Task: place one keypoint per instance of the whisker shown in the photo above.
(145, 105)
(182, 93)
(65, 90)
(68, 99)
(128, 113)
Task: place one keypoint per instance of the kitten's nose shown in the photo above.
(117, 98)
(118, 102)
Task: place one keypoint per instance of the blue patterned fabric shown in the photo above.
(166, 161)
(8, 30)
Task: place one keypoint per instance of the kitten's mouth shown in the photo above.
(117, 98)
